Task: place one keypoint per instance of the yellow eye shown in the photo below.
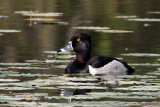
(78, 39)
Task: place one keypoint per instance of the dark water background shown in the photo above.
(32, 41)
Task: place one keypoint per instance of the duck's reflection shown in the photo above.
(67, 92)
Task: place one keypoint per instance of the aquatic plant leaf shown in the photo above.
(144, 64)
(34, 61)
(36, 14)
(16, 64)
(144, 20)
(22, 12)
(65, 56)
(55, 52)
(140, 54)
(53, 23)
(136, 76)
(120, 95)
(1, 16)
(3, 69)
(42, 19)
(76, 103)
(15, 88)
(9, 31)
(91, 27)
(114, 31)
(154, 12)
(126, 17)
(139, 88)
(57, 61)
(13, 67)
(60, 66)
(50, 52)
(124, 82)
(81, 87)
(75, 75)
(9, 80)
(26, 75)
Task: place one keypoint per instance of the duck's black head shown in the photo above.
(80, 43)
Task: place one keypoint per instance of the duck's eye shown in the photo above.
(78, 39)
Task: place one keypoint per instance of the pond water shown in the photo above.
(31, 31)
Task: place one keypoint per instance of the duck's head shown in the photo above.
(80, 43)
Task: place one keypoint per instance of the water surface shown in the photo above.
(31, 70)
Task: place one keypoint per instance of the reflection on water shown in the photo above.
(23, 56)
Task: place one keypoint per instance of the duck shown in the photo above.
(84, 62)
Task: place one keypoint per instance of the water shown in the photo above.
(31, 76)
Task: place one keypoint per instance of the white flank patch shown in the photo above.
(112, 68)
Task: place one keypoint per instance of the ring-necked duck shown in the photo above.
(84, 63)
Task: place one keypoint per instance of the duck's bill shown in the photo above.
(67, 48)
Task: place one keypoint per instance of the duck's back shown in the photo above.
(108, 66)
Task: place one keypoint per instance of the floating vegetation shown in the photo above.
(9, 31)
(54, 52)
(57, 61)
(1, 16)
(60, 66)
(13, 67)
(144, 20)
(126, 17)
(154, 12)
(91, 28)
(53, 23)
(120, 95)
(36, 14)
(140, 54)
(16, 64)
(65, 56)
(42, 19)
(145, 64)
(22, 12)
(114, 31)
(139, 88)
(9, 80)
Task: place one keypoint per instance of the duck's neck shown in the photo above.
(82, 57)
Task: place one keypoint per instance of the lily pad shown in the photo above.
(16, 64)
(126, 17)
(1, 16)
(140, 54)
(36, 14)
(65, 56)
(15, 88)
(154, 12)
(9, 80)
(144, 64)
(81, 87)
(57, 61)
(144, 20)
(42, 19)
(91, 28)
(60, 66)
(139, 88)
(120, 95)
(78, 103)
(114, 31)
(28, 68)
(9, 31)
(52, 23)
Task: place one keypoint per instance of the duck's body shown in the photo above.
(84, 63)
